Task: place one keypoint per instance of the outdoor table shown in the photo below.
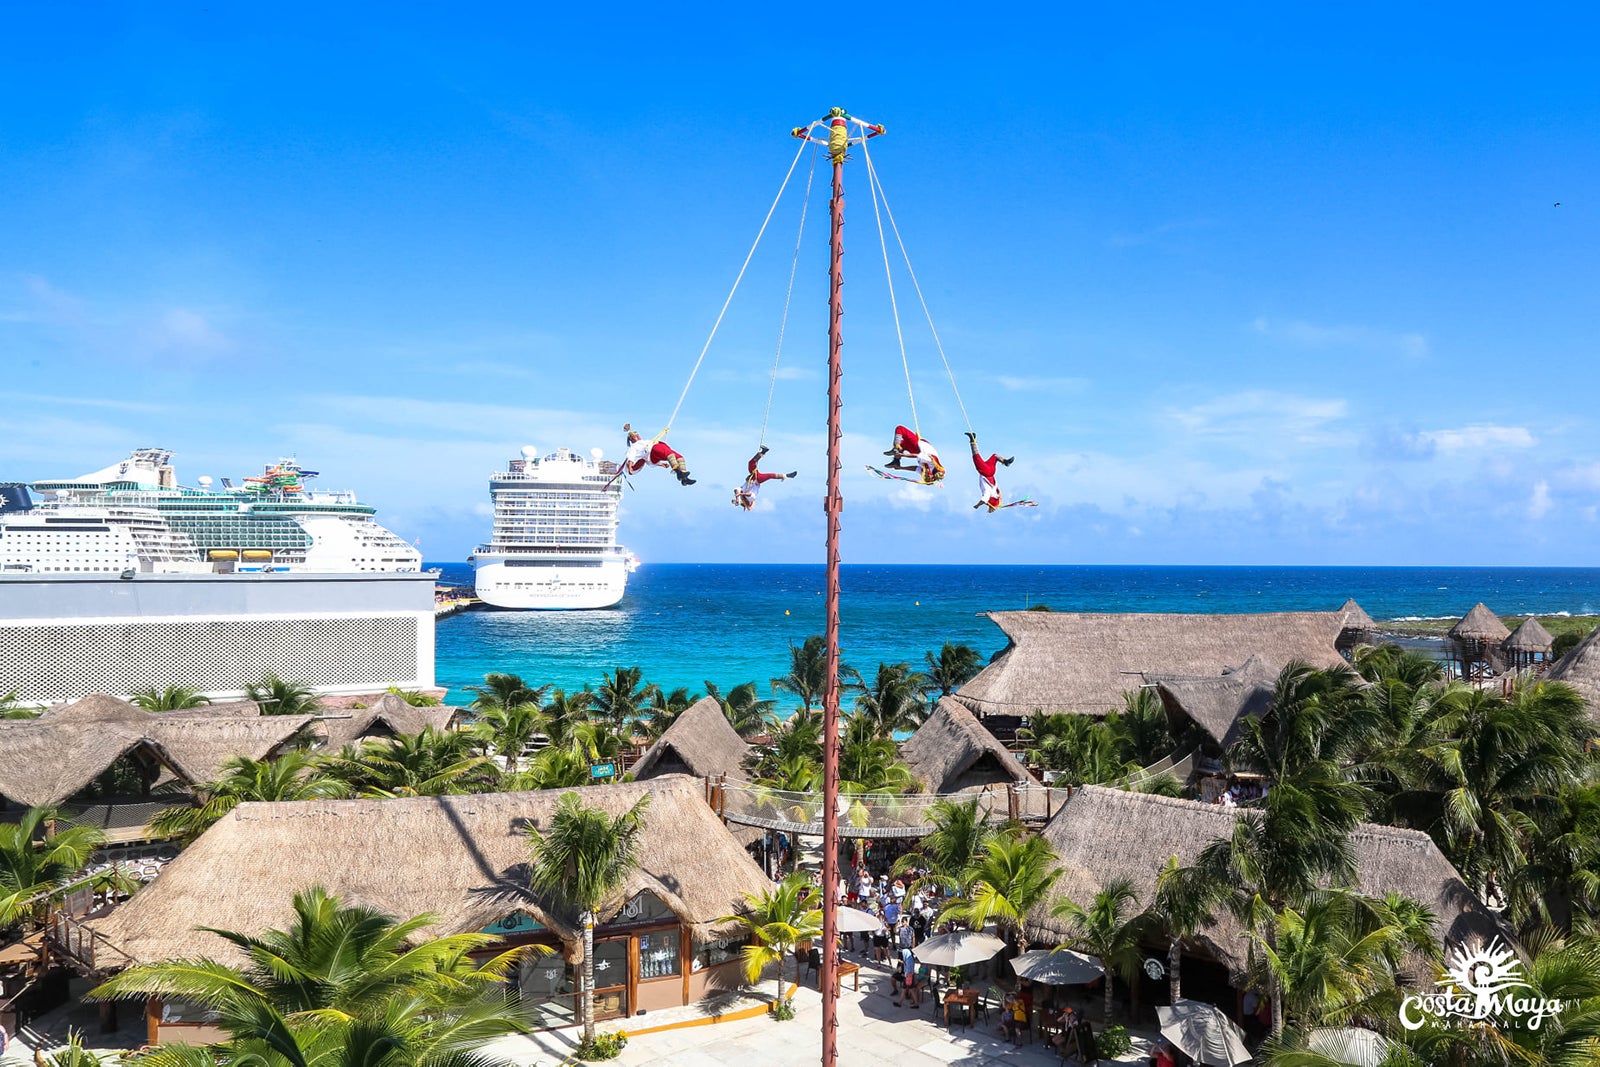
(851, 971)
(967, 998)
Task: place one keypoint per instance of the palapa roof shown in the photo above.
(700, 740)
(1356, 617)
(391, 716)
(1531, 636)
(950, 744)
(1480, 624)
(1219, 704)
(461, 858)
(1580, 668)
(1083, 663)
(1101, 834)
(47, 760)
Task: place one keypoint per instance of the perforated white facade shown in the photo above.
(64, 638)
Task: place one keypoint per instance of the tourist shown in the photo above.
(1015, 1022)
(880, 945)
(1163, 1055)
(919, 926)
(907, 938)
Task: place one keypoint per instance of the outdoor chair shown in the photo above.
(814, 961)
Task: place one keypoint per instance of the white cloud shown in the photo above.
(1539, 503)
(1265, 416)
(181, 328)
(1315, 335)
(1042, 385)
(1479, 436)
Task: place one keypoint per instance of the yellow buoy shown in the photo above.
(918, 603)
(786, 611)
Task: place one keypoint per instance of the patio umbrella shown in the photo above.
(1203, 1032)
(1352, 1046)
(958, 948)
(856, 921)
(1061, 967)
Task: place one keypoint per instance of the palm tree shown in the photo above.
(747, 713)
(582, 859)
(413, 765)
(1108, 929)
(509, 729)
(664, 709)
(1560, 883)
(278, 697)
(1080, 749)
(776, 920)
(552, 768)
(1314, 719)
(172, 698)
(1140, 730)
(1012, 875)
(870, 762)
(504, 690)
(891, 701)
(808, 672)
(622, 698)
(1184, 904)
(564, 713)
(959, 837)
(36, 863)
(953, 667)
(291, 776)
(416, 697)
(799, 738)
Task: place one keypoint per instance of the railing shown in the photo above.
(87, 947)
(873, 815)
(1171, 766)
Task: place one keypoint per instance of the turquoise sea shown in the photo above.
(685, 624)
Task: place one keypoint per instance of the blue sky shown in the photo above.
(1256, 285)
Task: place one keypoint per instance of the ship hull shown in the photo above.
(541, 585)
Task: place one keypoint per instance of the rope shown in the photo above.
(872, 183)
(872, 173)
(783, 324)
(683, 395)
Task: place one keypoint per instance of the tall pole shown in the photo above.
(832, 505)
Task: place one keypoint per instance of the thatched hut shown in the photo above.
(1474, 643)
(1101, 834)
(1580, 668)
(1529, 645)
(59, 758)
(952, 751)
(1358, 628)
(1218, 704)
(391, 716)
(1083, 663)
(701, 741)
(464, 860)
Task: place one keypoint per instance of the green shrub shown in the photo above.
(1112, 1042)
(604, 1046)
(783, 1010)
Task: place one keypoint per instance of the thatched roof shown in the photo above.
(47, 760)
(461, 858)
(1356, 618)
(1083, 663)
(1531, 636)
(1580, 668)
(391, 716)
(952, 751)
(1219, 704)
(1480, 624)
(701, 741)
(1101, 834)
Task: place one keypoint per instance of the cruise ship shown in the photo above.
(554, 542)
(271, 522)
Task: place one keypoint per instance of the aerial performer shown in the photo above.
(908, 444)
(988, 488)
(655, 454)
(745, 495)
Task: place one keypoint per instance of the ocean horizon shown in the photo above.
(685, 624)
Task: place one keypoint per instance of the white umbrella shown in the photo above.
(856, 921)
(958, 948)
(1202, 1031)
(1353, 1046)
(1061, 967)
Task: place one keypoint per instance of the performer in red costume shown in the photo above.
(988, 487)
(745, 495)
(908, 444)
(655, 454)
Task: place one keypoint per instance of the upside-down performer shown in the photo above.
(988, 487)
(908, 444)
(745, 495)
(655, 454)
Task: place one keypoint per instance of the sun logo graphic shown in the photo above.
(1478, 985)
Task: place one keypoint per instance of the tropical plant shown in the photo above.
(808, 672)
(1140, 730)
(509, 729)
(1012, 874)
(960, 834)
(172, 698)
(291, 776)
(869, 762)
(1077, 747)
(1185, 903)
(564, 713)
(581, 859)
(953, 667)
(413, 765)
(504, 690)
(36, 863)
(621, 699)
(1559, 886)
(1315, 719)
(891, 701)
(664, 709)
(552, 768)
(776, 920)
(799, 738)
(746, 712)
(72, 1054)
(416, 697)
(279, 697)
(1108, 929)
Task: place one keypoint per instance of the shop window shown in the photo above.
(712, 953)
(658, 954)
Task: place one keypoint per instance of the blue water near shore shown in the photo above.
(685, 624)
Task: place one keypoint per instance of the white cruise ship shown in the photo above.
(554, 543)
(57, 539)
(271, 522)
